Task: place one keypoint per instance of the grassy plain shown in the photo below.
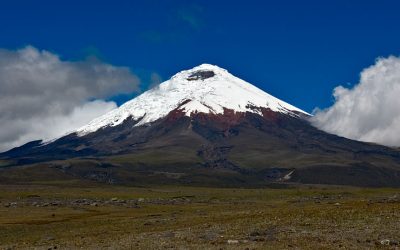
(81, 215)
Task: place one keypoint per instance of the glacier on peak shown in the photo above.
(205, 88)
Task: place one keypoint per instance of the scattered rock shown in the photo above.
(55, 203)
(263, 235)
(48, 238)
(11, 204)
(387, 242)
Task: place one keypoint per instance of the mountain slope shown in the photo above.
(205, 127)
(203, 89)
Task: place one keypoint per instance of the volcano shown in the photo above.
(205, 127)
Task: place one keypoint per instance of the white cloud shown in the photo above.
(155, 80)
(52, 126)
(370, 111)
(43, 97)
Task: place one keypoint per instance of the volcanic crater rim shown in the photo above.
(201, 75)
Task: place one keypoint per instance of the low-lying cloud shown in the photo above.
(370, 111)
(43, 97)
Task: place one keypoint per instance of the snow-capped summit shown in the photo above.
(202, 89)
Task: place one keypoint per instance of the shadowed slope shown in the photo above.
(230, 149)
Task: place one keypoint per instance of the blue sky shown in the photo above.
(296, 50)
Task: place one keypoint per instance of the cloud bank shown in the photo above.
(43, 97)
(370, 111)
